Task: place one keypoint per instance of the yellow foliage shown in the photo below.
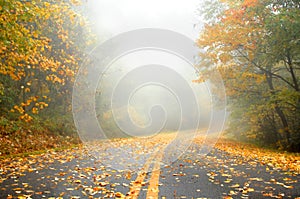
(30, 49)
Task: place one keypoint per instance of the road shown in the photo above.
(75, 173)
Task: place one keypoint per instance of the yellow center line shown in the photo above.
(153, 189)
(138, 183)
(154, 180)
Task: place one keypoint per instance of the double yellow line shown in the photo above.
(154, 180)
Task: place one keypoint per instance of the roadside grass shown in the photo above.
(22, 142)
(39, 152)
(21, 138)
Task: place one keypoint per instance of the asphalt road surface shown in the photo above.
(75, 174)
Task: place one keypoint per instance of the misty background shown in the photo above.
(152, 108)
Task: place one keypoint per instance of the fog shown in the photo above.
(147, 91)
(150, 91)
(112, 17)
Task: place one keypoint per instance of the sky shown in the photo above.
(111, 17)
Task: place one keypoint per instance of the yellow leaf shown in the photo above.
(250, 189)
(119, 195)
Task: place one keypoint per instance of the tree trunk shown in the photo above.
(294, 78)
(279, 112)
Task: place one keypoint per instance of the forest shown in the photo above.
(253, 44)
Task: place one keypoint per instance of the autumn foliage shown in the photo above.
(42, 46)
(254, 44)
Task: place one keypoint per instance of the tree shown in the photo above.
(42, 46)
(255, 46)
